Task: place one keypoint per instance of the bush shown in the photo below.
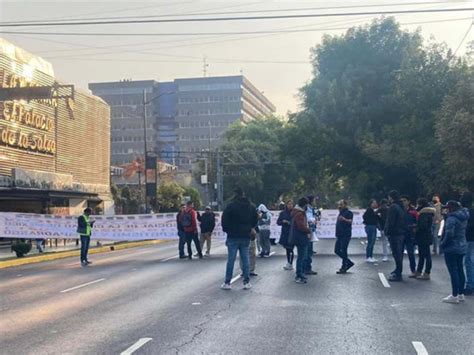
(21, 248)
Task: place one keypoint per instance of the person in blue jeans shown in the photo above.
(300, 235)
(371, 220)
(454, 246)
(238, 220)
(466, 202)
(84, 229)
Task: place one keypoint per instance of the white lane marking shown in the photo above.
(83, 285)
(420, 348)
(384, 280)
(235, 279)
(19, 275)
(442, 326)
(196, 303)
(136, 346)
(171, 258)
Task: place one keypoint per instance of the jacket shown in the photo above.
(410, 217)
(265, 221)
(370, 217)
(382, 215)
(285, 215)
(424, 231)
(454, 237)
(238, 218)
(178, 221)
(299, 230)
(193, 227)
(208, 222)
(395, 224)
(84, 226)
(343, 228)
(470, 226)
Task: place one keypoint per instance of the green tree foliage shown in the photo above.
(195, 196)
(256, 160)
(170, 196)
(455, 133)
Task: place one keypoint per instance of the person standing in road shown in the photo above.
(181, 233)
(454, 246)
(424, 237)
(208, 223)
(264, 221)
(300, 236)
(189, 221)
(284, 220)
(466, 201)
(382, 216)
(437, 222)
(84, 229)
(395, 231)
(370, 220)
(238, 220)
(411, 216)
(343, 236)
(311, 218)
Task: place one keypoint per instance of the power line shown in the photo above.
(236, 18)
(228, 12)
(122, 34)
(463, 39)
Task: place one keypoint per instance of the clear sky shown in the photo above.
(277, 63)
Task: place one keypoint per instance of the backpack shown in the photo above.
(187, 219)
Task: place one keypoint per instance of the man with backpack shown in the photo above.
(208, 223)
(189, 223)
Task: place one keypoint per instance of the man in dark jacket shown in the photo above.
(424, 238)
(238, 220)
(84, 229)
(466, 202)
(208, 223)
(411, 216)
(181, 233)
(395, 231)
(300, 235)
(343, 236)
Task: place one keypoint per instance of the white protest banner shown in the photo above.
(137, 227)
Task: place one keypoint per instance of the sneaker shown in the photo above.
(84, 263)
(311, 272)
(414, 275)
(451, 299)
(288, 267)
(266, 256)
(226, 286)
(247, 286)
(461, 298)
(371, 260)
(183, 257)
(395, 278)
(299, 280)
(253, 274)
(88, 262)
(385, 259)
(341, 271)
(196, 255)
(351, 264)
(424, 276)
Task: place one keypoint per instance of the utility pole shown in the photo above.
(220, 182)
(208, 166)
(145, 148)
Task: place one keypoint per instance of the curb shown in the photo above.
(76, 252)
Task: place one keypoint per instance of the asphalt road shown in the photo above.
(163, 305)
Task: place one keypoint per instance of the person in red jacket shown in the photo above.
(189, 222)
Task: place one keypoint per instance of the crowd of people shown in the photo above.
(423, 228)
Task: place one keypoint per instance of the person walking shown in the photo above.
(382, 216)
(208, 223)
(189, 221)
(300, 236)
(395, 232)
(437, 222)
(343, 236)
(466, 202)
(424, 238)
(371, 220)
(181, 232)
(84, 229)
(410, 217)
(454, 246)
(238, 220)
(311, 217)
(284, 220)
(264, 221)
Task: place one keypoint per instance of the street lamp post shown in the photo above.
(145, 145)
